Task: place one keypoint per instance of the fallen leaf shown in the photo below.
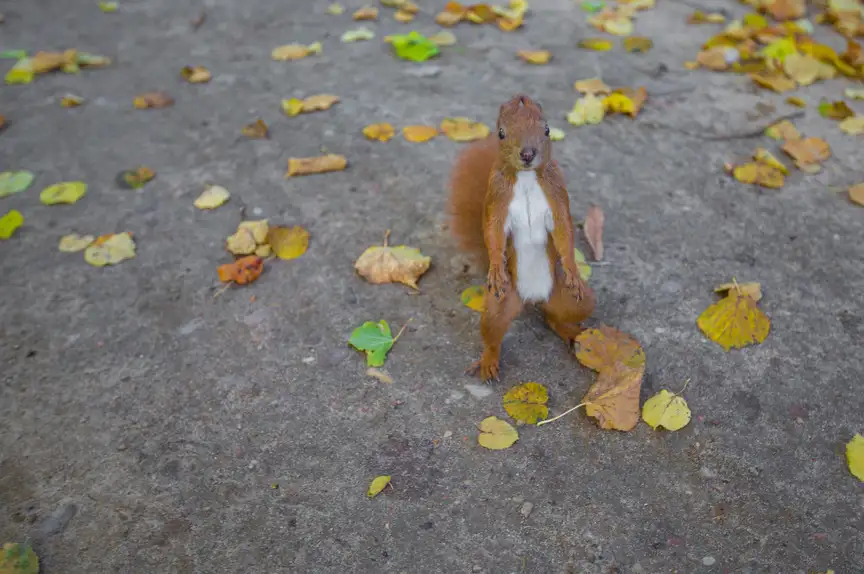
(667, 410)
(319, 102)
(373, 338)
(856, 194)
(18, 559)
(620, 361)
(782, 10)
(853, 126)
(443, 38)
(699, 17)
(774, 81)
(14, 182)
(797, 102)
(783, 130)
(592, 86)
(295, 51)
(135, 178)
(419, 134)
(612, 21)
(855, 456)
(71, 101)
(2, 122)
(21, 72)
(414, 47)
(357, 35)
(313, 165)
(241, 242)
(496, 434)
(453, 14)
(592, 6)
(587, 110)
(752, 290)
(63, 192)
(335, 9)
(556, 134)
(765, 157)
(593, 228)
(509, 24)
(13, 54)
(760, 174)
(626, 100)
(377, 485)
(734, 321)
(535, 56)
(480, 14)
(380, 374)
(196, 74)
(717, 58)
(474, 298)
(806, 69)
(11, 221)
(288, 242)
(108, 7)
(212, 197)
(403, 16)
(596, 44)
(461, 129)
(527, 403)
(256, 130)
(637, 44)
(259, 228)
(584, 268)
(807, 151)
(152, 100)
(835, 110)
(381, 132)
(110, 249)
(366, 13)
(242, 271)
(384, 264)
(263, 250)
(73, 242)
(854, 94)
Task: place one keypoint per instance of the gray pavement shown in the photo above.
(144, 423)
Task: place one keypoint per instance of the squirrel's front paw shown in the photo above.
(498, 282)
(574, 283)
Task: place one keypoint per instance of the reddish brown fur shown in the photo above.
(481, 192)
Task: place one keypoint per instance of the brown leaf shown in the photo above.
(785, 9)
(592, 86)
(244, 270)
(604, 346)
(312, 165)
(807, 151)
(774, 81)
(366, 13)
(256, 130)
(400, 264)
(856, 194)
(594, 231)
(614, 399)
(196, 74)
(153, 100)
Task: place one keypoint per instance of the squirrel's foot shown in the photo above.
(574, 283)
(498, 282)
(486, 367)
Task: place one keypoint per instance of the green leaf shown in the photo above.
(9, 223)
(584, 268)
(14, 182)
(13, 54)
(373, 338)
(592, 5)
(414, 46)
(18, 559)
(108, 6)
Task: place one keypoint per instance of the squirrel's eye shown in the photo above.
(547, 131)
(501, 133)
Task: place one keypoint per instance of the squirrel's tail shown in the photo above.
(468, 183)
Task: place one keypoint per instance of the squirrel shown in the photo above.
(509, 207)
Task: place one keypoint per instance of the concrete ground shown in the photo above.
(145, 422)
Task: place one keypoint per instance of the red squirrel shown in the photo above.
(509, 207)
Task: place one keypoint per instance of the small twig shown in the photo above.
(223, 289)
(386, 237)
(402, 330)
(567, 412)
(687, 382)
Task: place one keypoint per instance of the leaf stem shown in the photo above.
(386, 237)
(402, 330)
(567, 412)
(687, 382)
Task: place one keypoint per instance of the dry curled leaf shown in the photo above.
(734, 321)
(196, 74)
(464, 129)
(807, 152)
(535, 56)
(853, 126)
(385, 264)
(212, 197)
(856, 194)
(403, 16)
(256, 130)
(295, 51)
(752, 290)
(243, 271)
(593, 228)
(366, 13)
(783, 130)
(596, 44)
(760, 174)
(313, 165)
(592, 86)
(835, 110)
(70, 101)
(381, 132)
(73, 242)
(152, 100)
(419, 134)
(774, 81)
(637, 44)
(288, 242)
(527, 403)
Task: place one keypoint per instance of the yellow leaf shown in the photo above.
(366, 13)
(263, 250)
(734, 321)
(853, 126)
(377, 485)
(618, 103)
(699, 17)
(855, 456)
(760, 174)
(765, 157)
(587, 110)
(638, 44)
(752, 290)
(443, 38)
(73, 242)
(241, 242)
(856, 194)
(357, 35)
(496, 434)
(535, 56)
(508, 24)
(795, 101)
(527, 403)
(584, 268)
(381, 132)
(10, 222)
(196, 74)
(288, 242)
(259, 229)
(108, 7)
(109, 250)
(803, 69)
(854, 94)
(463, 129)
(556, 134)
(475, 298)
(294, 51)
(596, 44)
(256, 130)
(313, 165)
(292, 107)
(152, 100)
(212, 197)
(774, 81)
(835, 110)
(667, 410)
(403, 16)
(385, 264)
(335, 9)
(784, 130)
(71, 101)
(64, 192)
(419, 134)
(602, 347)
(592, 86)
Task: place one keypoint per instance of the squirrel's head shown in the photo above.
(523, 134)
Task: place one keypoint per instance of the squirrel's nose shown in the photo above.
(528, 154)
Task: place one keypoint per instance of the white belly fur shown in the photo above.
(529, 222)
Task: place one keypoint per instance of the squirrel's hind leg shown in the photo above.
(564, 313)
(494, 324)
